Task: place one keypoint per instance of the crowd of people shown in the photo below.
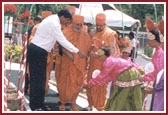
(78, 51)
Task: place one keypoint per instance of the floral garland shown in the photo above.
(123, 43)
(9, 7)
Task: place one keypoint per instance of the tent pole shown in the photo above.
(136, 36)
(122, 20)
(80, 8)
(155, 13)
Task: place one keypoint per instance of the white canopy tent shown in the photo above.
(114, 17)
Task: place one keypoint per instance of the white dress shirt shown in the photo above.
(48, 32)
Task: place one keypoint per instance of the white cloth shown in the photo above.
(133, 43)
(149, 68)
(95, 73)
(159, 75)
(48, 32)
(109, 89)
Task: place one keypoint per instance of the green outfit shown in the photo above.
(126, 98)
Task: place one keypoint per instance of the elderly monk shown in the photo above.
(103, 36)
(45, 14)
(58, 57)
(73, 67)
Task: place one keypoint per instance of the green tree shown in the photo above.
(142, 11)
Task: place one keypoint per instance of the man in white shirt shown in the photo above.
(48, 32)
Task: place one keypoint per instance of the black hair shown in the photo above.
(106, 49)
(88, 24)
(38, 18)
(155, 32)
(131, 34)
(65, 12)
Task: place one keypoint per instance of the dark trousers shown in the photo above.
(37, 67)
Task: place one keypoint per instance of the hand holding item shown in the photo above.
(141, 78)
(82, 55)
(55, 52)
(67, 53)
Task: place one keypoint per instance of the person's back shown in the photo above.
(45, 30)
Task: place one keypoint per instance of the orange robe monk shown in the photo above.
(97, 94)
(58, 58)
(73, 71)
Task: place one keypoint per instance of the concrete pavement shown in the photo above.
(52, 99)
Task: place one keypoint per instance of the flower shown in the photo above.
(21, 16)
(100, 52)
(24, 22)
(26, 14)
(31, 23)
(10, 7)
(16, 23)
(124, 43)
(16, 51)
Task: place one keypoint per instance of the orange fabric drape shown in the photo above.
(58, 60)
(72, 72)
(97, 94)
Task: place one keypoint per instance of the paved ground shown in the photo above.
(52, 97)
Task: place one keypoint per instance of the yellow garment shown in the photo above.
(97, 94)
(72, 72)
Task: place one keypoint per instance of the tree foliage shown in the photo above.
(142, 11)
(137, 11)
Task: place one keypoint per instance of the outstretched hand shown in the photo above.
(141, 78)
(55, 52)
(82, 55)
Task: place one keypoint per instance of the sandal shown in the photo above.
(61, 108)
(74, 109)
